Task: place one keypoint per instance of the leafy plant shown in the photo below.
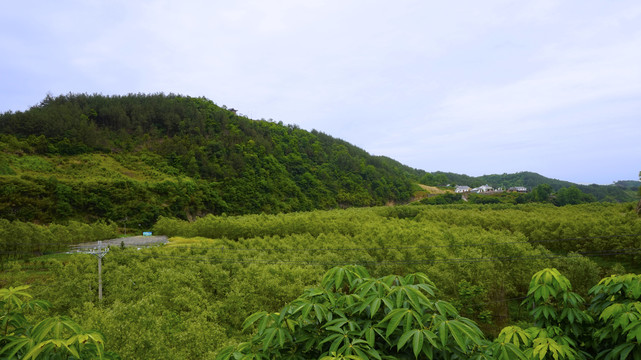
(51, 338)
(355, 316)
(616, 305)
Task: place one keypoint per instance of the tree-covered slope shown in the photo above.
(136, 157)
(621, 191)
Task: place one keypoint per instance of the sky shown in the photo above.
(470, 87)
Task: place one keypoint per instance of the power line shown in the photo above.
(217, 260)
(420, 247)
(374, 248)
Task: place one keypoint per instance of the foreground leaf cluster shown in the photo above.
(355, 316)
(52, 338)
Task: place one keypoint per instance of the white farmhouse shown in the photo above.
(482, 189)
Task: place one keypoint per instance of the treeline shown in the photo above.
(596, 228)
(543, 193)
(128, 202)
(23, 240)
(236, 164)
(621, 191)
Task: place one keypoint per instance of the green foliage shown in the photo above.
(51, 338)
(443, 199)
(218, 270)
(20, 240)
(564, 330)
(572, 196)
(129, 156)
(353, 315)
(617, 192)
(616, 305)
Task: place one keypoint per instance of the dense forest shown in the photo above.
(136, 157)
(130, 159)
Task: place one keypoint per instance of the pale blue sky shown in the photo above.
(473, 87)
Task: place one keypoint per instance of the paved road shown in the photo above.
(128, 241)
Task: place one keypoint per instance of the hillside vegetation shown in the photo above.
(620, 191)
(130, 159)
(133, 158)
(269, 256)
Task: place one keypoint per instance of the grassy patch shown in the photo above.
(182, 241)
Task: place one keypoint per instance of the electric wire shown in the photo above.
(373, 248)
(217, 260)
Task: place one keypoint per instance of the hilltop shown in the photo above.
(133, 158)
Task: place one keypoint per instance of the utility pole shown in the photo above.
(100, 252)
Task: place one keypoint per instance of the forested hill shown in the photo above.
(138, 156)
(621, 191)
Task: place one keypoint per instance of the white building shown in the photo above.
(483, 188)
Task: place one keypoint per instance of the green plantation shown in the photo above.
(292, 244)
(270, 286)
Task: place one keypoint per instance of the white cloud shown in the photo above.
(412, 80)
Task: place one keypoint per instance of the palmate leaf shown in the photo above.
(251, 319)
(445, 308)
(405, 337)
(409, 294)
(42, 304)
(332, 338)
(462, 333)
(49, 345)
(15, 345)
(543, 346)
(514, 335)
(507, 351)
(623, 351)
(346, 276)
(54, 328)
(337, 342)
(361, 354)
(612, 311)
(226, 353)
(368, 287)
(633, 331)
(16, 320)
(634, 290)
(418, 338)
(394, 318)
(336, 323)
(276, 337)
(14, 295)
(419, 278)
(321, 312)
